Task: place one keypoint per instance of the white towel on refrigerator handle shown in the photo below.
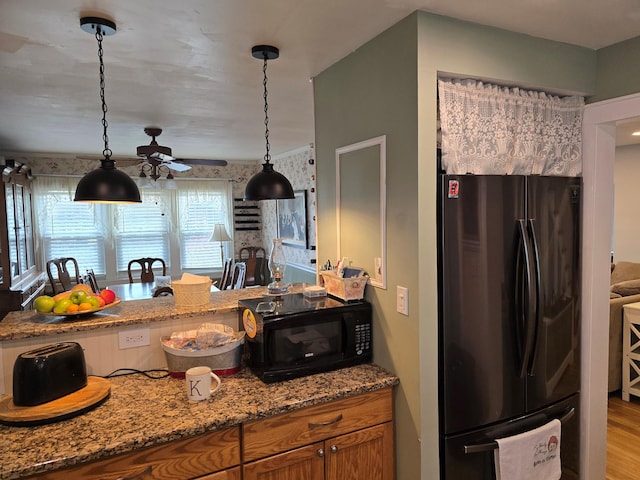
(531, 455)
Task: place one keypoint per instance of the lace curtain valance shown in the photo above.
(489, 129)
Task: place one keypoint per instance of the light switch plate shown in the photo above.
(402, 300)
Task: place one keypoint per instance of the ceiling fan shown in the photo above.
(157, 155)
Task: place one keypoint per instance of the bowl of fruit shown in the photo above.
(80, 300)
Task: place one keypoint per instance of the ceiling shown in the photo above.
(186, 66)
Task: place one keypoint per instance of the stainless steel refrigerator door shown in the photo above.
(470, 456)
(479, 350)
(553, 206)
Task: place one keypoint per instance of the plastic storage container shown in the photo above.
(223, 360)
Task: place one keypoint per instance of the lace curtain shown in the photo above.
(494, 130)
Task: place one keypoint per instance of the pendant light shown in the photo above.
(105, 184)
(268, 184)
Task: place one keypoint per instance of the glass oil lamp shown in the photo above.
(277, 266)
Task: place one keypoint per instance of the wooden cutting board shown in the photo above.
(95, 393)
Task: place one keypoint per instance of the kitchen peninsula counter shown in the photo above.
(27, 324)
(143, 412)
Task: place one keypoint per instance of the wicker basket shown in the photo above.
(191, 294)
(344, 288)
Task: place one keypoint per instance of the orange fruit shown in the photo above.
(73, 308)
(85, 306)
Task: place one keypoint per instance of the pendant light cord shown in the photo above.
(267, 156)
(107, 151)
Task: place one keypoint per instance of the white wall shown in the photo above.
(626, 227)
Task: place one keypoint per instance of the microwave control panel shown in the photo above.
(363, 338)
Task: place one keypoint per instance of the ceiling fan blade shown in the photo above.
(203, 161)
(162, 156)
(178, 167)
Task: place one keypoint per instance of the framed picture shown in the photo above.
(292, 219)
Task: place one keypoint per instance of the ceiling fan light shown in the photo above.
(268, 185)
(107, 185)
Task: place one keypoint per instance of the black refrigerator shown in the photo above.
(509, 316)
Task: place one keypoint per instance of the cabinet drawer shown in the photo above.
(231, 474)
(181, 459)
(312, 424)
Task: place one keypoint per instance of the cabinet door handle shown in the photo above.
(325, 424)
(334, 449)
(320, 452)
(137, 476)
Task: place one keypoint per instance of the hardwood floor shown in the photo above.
(623, 438)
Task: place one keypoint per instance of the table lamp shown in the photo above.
(220, 234)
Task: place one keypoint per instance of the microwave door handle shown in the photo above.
(490, 446)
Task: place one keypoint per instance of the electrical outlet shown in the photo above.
(133, 338)
(402, 300)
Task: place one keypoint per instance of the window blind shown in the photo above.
(201, 206)
(67, 228)
(142, 230)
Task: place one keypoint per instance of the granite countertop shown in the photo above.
(28, 324)
(143, 412)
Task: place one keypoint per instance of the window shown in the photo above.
(171, 224)
(201, 206)
(66, 228)
(142, 230)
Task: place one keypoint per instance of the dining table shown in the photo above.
(139, 290)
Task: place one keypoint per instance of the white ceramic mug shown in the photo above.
(199, 383)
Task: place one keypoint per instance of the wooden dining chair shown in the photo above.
(254, 257)
(59, 276)
(225, 281)
(146, 266)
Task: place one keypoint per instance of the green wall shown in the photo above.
(618, 70)
(388, 86)
(370, 93)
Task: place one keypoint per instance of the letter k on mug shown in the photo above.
(199, 380)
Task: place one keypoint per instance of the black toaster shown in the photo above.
(48, 373)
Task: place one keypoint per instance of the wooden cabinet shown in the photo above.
(195, 457)
(20, 281)
(345, 439)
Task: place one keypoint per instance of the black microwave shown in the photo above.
(291, 335)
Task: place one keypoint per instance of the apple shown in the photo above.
(109, 296)
(44, 304)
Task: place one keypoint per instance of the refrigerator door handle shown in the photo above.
(527, 308)
(537, 323)
(490, 446)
